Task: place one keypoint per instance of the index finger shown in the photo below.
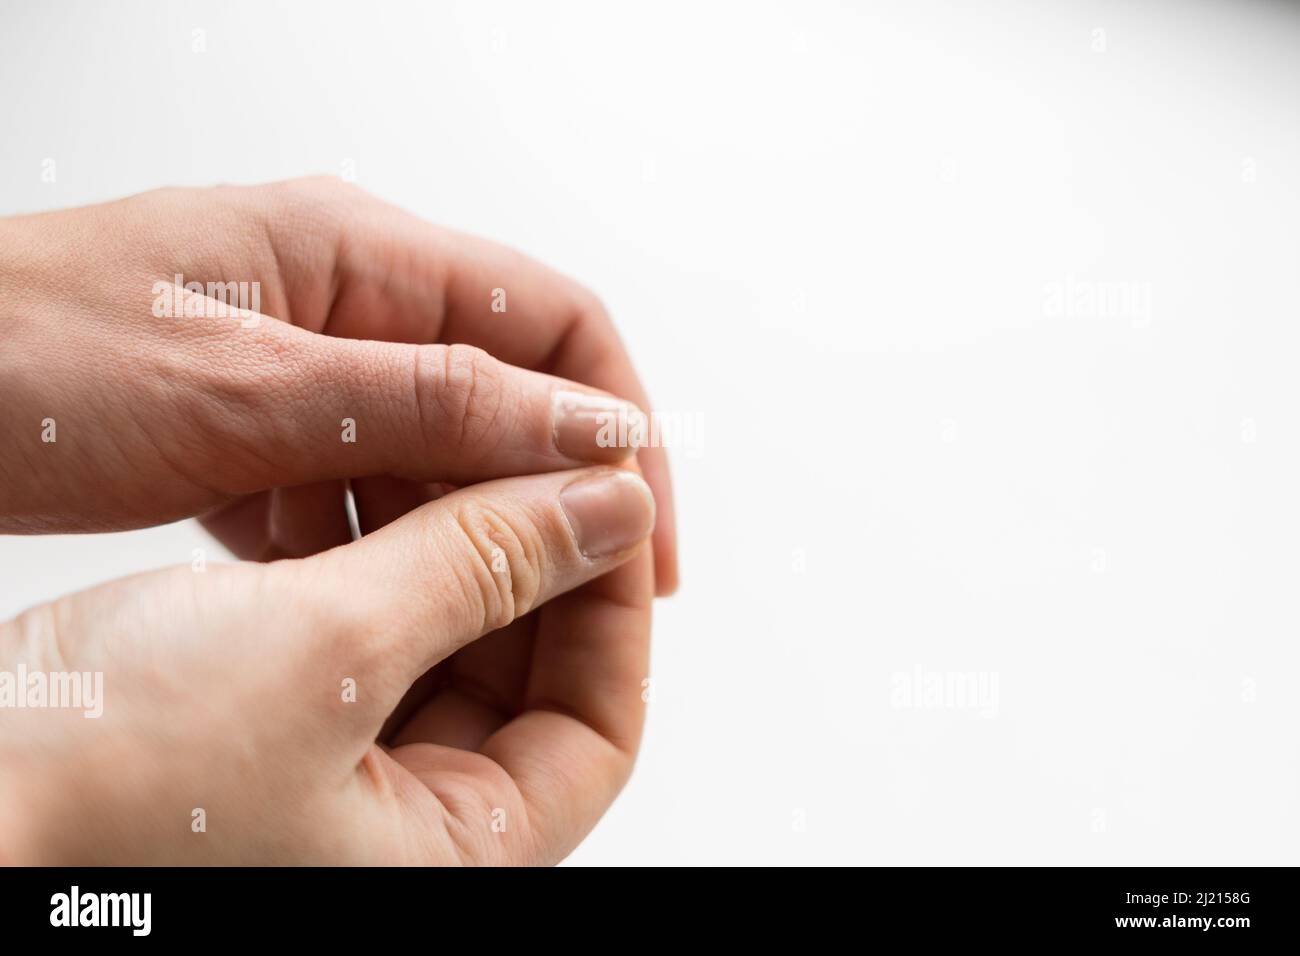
(571, 750)
(399, 278)
(570, 335)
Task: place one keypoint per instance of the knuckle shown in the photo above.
(590, 315)
(37, 631)
(506, 567)
(311, 189)
(465, 391)
(315, 206)
(160, 196)
(588, 307)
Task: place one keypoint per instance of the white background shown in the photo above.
(861, 244)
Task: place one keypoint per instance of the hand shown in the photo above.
(249, 667)
(117, 417)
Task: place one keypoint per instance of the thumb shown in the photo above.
(477, 559)
(326, 408)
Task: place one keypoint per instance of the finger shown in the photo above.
(293, 408)
(293, 522)
(381, 500)
(571, 751)
(477, 691)
(401, 279)
(569, 333)
(476, 560)
(243, 526)
(566, 730)
(307, 519)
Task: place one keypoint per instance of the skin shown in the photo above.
(225, 691)
(223, 687)
(241, 425)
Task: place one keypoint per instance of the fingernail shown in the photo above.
(609, 512)
(595, 427)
